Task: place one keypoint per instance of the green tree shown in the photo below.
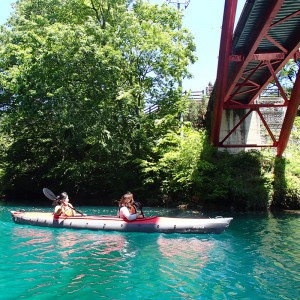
(173, 163)
(77, 76)
(287, 76)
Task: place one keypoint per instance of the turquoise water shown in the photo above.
(257, 257)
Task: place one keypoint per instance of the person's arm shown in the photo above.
(57, 210)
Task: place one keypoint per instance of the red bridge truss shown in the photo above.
(266, 37)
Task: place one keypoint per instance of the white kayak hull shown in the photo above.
(112, 223)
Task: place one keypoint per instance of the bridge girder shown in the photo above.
(266, 37)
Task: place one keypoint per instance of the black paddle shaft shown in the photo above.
(139, 205)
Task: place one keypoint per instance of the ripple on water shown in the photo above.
(256, 258)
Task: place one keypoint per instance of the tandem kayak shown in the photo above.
(113, 223)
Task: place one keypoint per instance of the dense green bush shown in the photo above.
(173, 162)
(287, 173)
(186, 169)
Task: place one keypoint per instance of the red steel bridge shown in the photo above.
(267, 35)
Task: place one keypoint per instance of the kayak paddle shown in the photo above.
(139, 205)
(50, 195)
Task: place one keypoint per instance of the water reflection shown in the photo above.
(23, 236)
(183, 259)
(185, 249)
(62, 247)
(265, 249)
(72, 260)
(274, 239)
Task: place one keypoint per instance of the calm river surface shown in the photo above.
(257, 257)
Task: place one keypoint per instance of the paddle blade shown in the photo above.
(49, 194)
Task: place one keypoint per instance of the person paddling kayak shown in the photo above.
(127, 209)
(64, 208)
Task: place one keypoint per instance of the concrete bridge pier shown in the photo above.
(247, 130)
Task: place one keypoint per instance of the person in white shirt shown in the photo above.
(127, 209)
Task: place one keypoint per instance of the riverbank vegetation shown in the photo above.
(188, 167)
(77, 78)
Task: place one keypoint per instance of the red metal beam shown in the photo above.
(259, 56)
(235, 127)
(269, 56)
(239, 86)
(223, 63)
(282, 93)
(268, 19)
(239, 124)
(267, 127)
(296, 13)
(247, 146)
(293, 53)
(290, 116)
(253, 106)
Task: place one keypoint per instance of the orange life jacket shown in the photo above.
(132, 210)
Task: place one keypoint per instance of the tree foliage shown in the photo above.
(173, 162)
(77, 76)
(287, 76)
